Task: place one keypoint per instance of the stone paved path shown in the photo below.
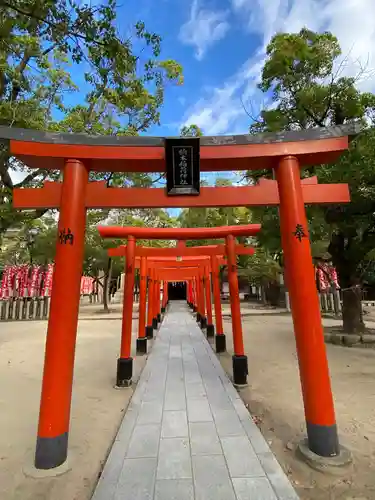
(186, 434)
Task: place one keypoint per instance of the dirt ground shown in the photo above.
(273, 396)
(274, 399)
(97, 408)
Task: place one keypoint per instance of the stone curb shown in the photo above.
(350, 339)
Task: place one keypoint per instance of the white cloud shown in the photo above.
(220, 109)
(204, 28)
(350, 20)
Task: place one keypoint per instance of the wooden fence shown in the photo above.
(24, 309)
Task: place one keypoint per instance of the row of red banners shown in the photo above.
(34, 281)
(327, 277)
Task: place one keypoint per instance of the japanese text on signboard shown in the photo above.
(182, 166)
(183, 175)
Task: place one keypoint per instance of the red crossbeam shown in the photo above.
(171, 262)
(151, 252)
(180, 233)
(177, 274)
(100, 196)
(51, 156)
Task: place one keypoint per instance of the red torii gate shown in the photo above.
(125, 362)
(203, 269)
(153, 264)
(168, 256)
(203, 304)
(149, 267)
(200, 265)
(76, 155)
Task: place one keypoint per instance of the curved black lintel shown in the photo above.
(18, 134)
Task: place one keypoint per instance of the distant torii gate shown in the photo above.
(169, 256)
(76, 155)
(199, 269)
(125, 362)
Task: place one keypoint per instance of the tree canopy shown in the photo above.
(191, 131)
(213, 217)
(303, 78)
(53, 49)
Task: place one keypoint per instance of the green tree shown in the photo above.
(213, 217)
(304, 80)
(191, 131)
(96, 249)
(50, 48)
(303, 77)
(41, 249)
(33, 243)
(262, 268)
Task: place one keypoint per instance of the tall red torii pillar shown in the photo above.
(76, 155)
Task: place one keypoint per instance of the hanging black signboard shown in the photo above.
(182, 166)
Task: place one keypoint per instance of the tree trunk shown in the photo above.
(221, 278)
(107, 281)
(350, 282)
(263, 295)
(352, 310)
(273, 293)
(136, 286)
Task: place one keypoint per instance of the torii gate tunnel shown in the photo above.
(195, 262)
(168, 259)
(77, 155)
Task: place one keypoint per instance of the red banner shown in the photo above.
(33, 281)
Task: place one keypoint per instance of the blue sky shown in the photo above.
(210, 38)
(221, 46)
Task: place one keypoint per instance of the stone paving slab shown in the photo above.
(186, 434)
